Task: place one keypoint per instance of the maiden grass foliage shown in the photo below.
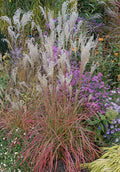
(8, 7)
(49, 97)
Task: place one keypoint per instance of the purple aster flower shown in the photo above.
(104, 136)
(46, 33)
(99, 75)
(114, 121)
(118, 121)
(116, 140)
(116, 129)
(106, 126)
(111, 126)
(108, 131)
(99, 128)
(112, 131)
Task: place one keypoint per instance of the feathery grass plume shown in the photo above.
(14, 74)
(16, 31)
(17, 46)
(73, 18)
(43, 12)
(33, 52)
(16, 18)
(85, 52)
(27, 17)
(93, 67)
(64, 9)
(7, 19)
(9, 44)
(64, 30)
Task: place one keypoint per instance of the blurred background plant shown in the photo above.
(112, 18)
(108, 58)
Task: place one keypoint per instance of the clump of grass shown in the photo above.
(61, 131)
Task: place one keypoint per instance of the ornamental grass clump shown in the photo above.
(60, 132)
(57, 126)
(108, 162)
(16, 32)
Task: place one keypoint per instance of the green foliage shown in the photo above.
(8, 8)
(10, 147)
(107, 56)
(98, 123)
(110, 161)
(3, 45)
(111, 115)
(89, 7)
(4, 80)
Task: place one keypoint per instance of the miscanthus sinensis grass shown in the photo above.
(39, 59)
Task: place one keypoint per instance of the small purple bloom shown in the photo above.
(108, 131)
(116, 129)
(118, 121)
(104, 136)
(111, 126)
(114, 121)
(99, 127)
(112, 131)
(116, 140)
(106, 126)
